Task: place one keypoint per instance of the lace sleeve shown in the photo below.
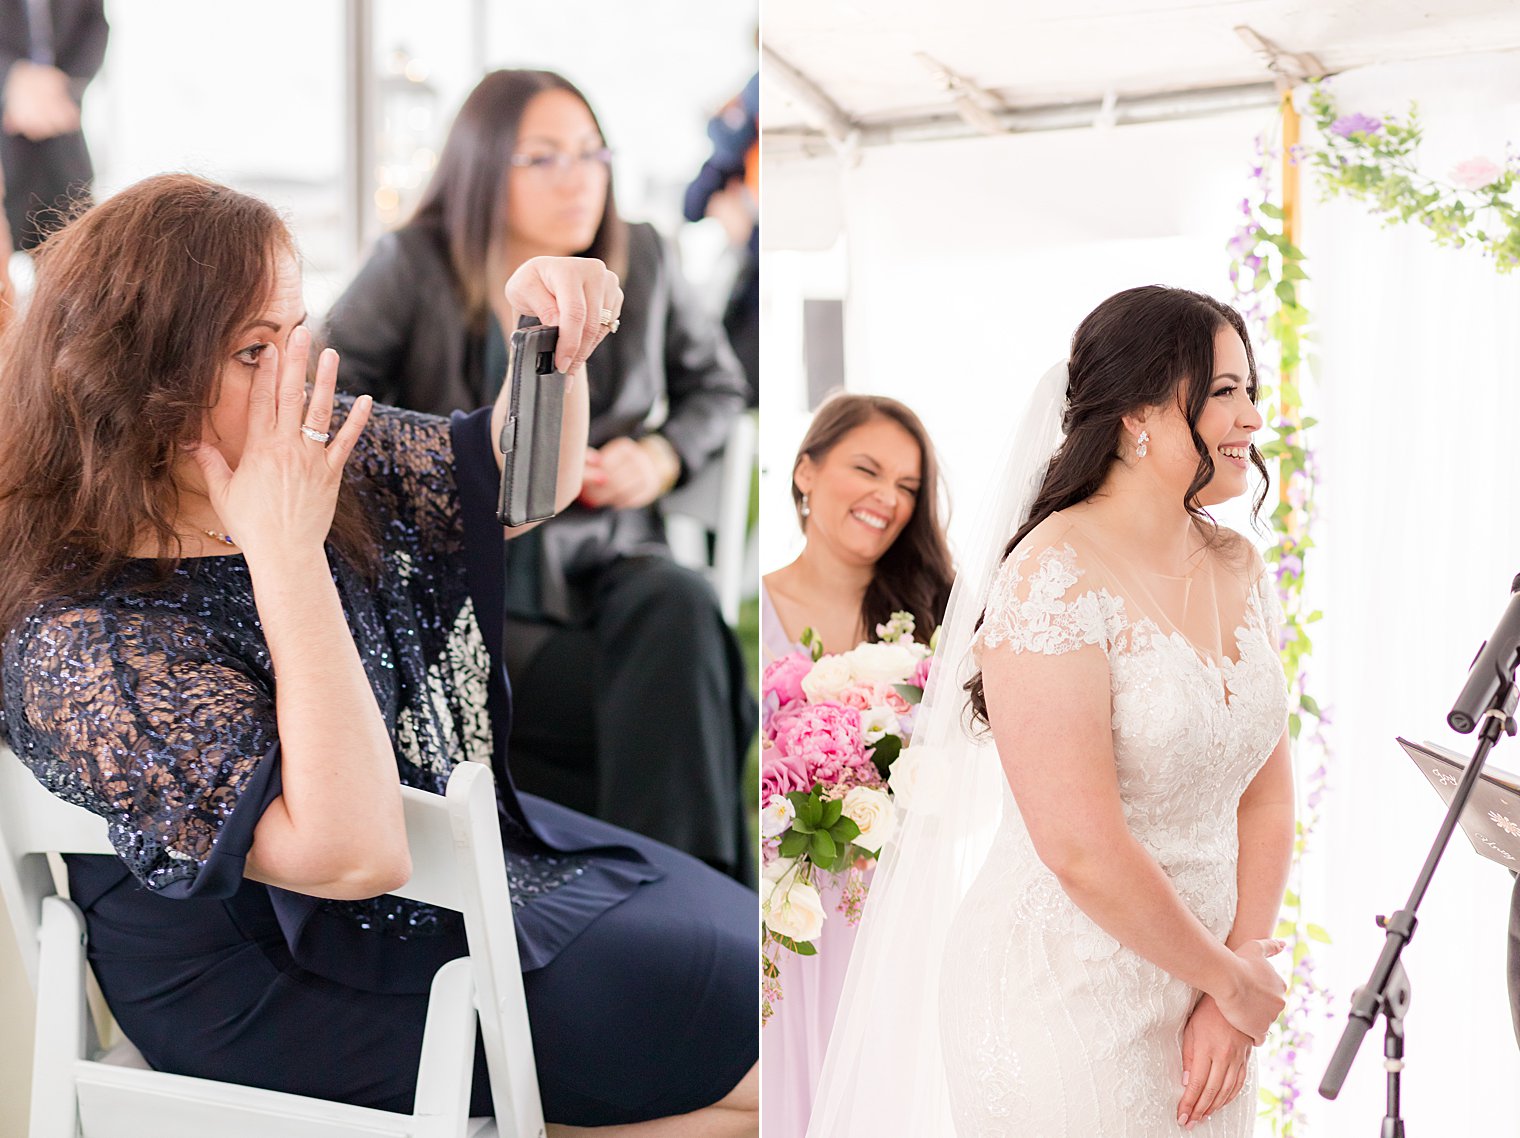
(1048, 609)
(129, 712)
(404, 460)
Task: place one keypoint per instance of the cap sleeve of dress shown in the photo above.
(132, 715)
(1050, 596)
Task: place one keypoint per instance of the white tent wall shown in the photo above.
(1418, 397)
(969, 265)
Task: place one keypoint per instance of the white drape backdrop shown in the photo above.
(992, 250)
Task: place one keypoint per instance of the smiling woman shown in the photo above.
(866, 488)
(865, 485)
(1091, 911)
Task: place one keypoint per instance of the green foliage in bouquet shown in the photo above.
(820, 832)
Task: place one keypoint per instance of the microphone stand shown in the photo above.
(1387, 989)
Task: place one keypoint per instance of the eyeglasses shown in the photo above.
(558, 164)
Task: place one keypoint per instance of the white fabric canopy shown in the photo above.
(1001, 245)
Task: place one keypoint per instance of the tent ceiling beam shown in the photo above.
(1165, 106)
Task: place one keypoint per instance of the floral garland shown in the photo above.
(1373, 160)
(1266, 269)
(1370, 160)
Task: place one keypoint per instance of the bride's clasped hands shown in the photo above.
(1216, 1044)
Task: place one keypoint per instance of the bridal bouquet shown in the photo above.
(831, 728)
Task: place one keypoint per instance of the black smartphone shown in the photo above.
(530, 438)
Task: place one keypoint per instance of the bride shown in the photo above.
(1088, 955)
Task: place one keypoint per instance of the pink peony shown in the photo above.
(921, 673)
(1475, 173)
(781, 773)
(784, 676)
(824, 736)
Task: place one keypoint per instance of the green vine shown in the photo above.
(1268, 272)
(1372, 160)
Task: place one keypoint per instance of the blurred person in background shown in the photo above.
(629, 686)
(727, 188)
(49, 52)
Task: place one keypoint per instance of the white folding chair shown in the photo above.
(716, 501)
(78, 1091)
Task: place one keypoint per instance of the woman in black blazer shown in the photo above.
(629, 692)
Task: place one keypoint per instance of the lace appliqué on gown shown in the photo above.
(1050, 1026)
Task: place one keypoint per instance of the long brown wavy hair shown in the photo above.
(914, 574)
(464, 208)
(1143, 347)
(111, 367)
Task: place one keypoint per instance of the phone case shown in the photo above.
(530, 438)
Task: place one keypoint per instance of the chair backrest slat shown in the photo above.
(457, 863)
(32, 824)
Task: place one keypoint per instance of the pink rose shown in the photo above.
(781, 773)
(921, 673)
(824, 736)
(863, 695)
(784, 676)
(1475, 173)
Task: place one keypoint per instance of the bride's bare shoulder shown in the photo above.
(1237, 552)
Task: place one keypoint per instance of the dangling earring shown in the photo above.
(1140, 448)
(806, 509)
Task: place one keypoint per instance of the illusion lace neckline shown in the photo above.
(1100, 538)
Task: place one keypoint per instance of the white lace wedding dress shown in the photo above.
(1050, 1027)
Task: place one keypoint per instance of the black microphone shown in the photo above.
(1494, 666)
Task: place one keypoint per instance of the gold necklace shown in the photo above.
(224, 538)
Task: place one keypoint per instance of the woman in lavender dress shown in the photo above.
(865, 486)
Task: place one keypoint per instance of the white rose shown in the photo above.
(777, 816)
(771, 873)
(917, 780)
(872, 811)
(885, 663)
(793, 909)
(876, 722)
(829, 676)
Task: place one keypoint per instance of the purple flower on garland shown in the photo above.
(1357, 123)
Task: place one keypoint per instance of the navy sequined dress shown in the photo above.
(153, 706)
